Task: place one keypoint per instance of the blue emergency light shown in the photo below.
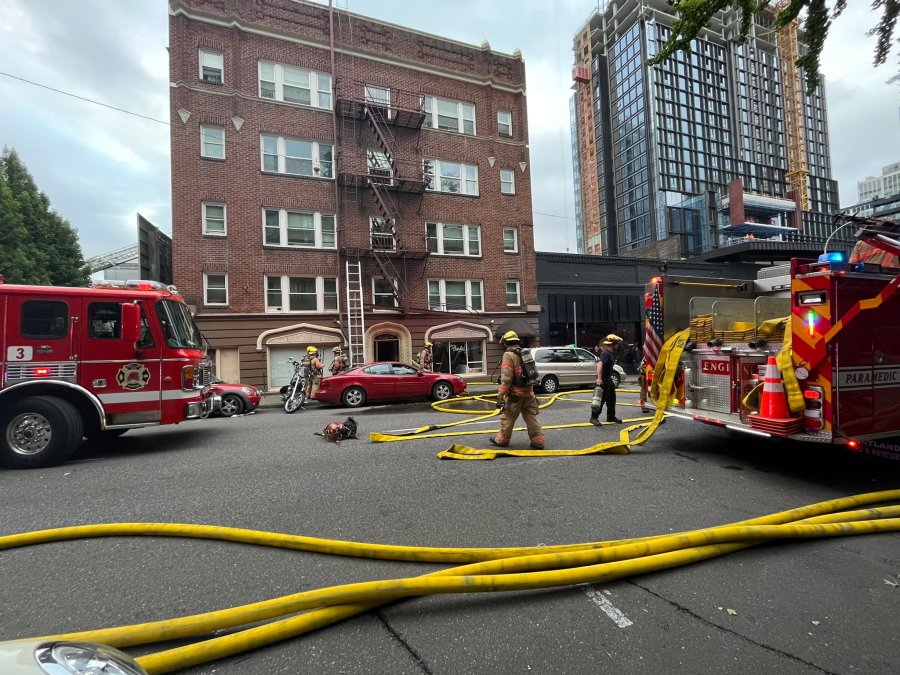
(833, 257)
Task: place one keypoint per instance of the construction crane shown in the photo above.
(794, 114)
(106, 260)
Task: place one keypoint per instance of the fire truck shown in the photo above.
(93, 362)
(832, 326)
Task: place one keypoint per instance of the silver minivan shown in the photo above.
(569, 367)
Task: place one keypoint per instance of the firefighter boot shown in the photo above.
(595, 417)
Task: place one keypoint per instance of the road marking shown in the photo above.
(608, 608)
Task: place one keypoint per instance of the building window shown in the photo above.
(382, 234)
(378, 164)
(296, 157)
(510, 240)
(215, 289)
(45, 319)
(448, 295)
(512, 294)
(507, 182)
(211, 67)
(459, 357)
(214, 219)
(298, 228)
(453, 239)
(301, 294)
(443, 176)
(441, 113)
(212, 141)
(504, 122)
(379, 97)
(384, 293)
(294, 85)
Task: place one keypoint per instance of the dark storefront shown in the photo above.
(583, 298)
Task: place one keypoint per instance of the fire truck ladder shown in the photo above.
(356, 319)
(106, 260)
(794, 117)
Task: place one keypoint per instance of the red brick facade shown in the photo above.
(245, 335)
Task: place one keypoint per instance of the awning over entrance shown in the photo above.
(522, 328)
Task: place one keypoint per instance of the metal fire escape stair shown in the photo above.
(356, 318)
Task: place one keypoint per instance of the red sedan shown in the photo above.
(388, 381)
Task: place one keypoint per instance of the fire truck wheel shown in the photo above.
(37, 432)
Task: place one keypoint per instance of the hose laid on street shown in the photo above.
(487, 570)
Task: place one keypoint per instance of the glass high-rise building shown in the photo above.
(689, 157)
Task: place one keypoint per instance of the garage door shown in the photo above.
(278, 363)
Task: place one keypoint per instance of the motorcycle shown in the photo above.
(294, 394)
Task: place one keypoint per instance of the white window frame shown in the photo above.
(204, 55)
(283, 217)
(430, 104)
(381, 236)
(206, 276)
(378, 164)
(504, 119)
(281, 155)
(438, 170)
(375, 295)
(467, 241)
(465, 345)
(206, 136)
(515, 231)
(320, 84)
(205, 217)
(285, 283)
(518, 287)
(442, 286)
(379, 96)
(508, 186)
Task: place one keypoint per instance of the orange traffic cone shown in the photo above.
(774, 401)
(774, 415)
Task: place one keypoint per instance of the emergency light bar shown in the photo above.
(135, 285)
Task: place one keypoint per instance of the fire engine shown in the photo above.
(90, 362)
(832, 326)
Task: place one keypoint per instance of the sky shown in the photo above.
(101, 167)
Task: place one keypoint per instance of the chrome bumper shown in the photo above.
(202, 409)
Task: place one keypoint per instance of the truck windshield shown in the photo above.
(178, 326)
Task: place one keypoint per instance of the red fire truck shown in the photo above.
(834, 327)
(88, 362)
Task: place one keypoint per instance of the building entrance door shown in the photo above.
(387, 347)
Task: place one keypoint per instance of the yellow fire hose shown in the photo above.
(488, 570)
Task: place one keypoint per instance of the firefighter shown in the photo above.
(425, 358)
(864, 252)
(515, 397)
(340, 361)
(605, 391)
(315, 373)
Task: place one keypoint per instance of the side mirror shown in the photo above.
(131, 323)
(421, 373)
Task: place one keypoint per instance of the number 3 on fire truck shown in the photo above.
(16, 353)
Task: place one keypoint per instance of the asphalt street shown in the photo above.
(821, 606)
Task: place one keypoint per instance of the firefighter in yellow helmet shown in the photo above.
(314, 379)
(515, 396)
(426, 358)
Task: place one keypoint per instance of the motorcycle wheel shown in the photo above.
(293, 402)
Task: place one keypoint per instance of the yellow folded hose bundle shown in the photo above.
(485, 570)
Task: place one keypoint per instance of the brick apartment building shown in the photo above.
(341, 180)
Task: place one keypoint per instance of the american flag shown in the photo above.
(654, 329)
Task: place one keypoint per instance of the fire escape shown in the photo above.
(375, 125)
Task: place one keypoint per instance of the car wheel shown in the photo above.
(231, 405)
(441, 391)
(354, 397)
(549, 385)
(616, 379)
(37, 432)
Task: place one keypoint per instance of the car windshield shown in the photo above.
(178, 326)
